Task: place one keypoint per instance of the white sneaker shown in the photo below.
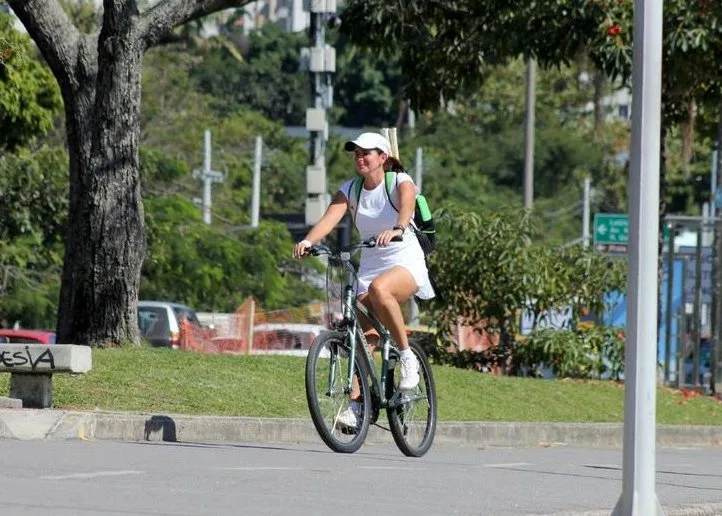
(348, 419)
(409, 372)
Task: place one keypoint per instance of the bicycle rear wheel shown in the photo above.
(412, 414)
(327, 393)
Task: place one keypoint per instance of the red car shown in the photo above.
(27, 337)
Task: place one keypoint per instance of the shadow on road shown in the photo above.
(166, 424)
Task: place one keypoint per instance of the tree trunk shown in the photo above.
(105, 243)
(688, 136)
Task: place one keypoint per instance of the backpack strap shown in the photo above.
(392, 179)
(354, 192)
(354, 196)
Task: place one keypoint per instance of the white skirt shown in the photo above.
(377, 260)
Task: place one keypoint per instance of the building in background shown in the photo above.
(288, 14)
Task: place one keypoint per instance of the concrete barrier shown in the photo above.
(31, 368)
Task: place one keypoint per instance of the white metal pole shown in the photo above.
(638, 483)
(587, 210)
(256, 199)
(713, 185)
(529, 134)
(419, 171)
(206, 178)
(419, 167)
(412, 119)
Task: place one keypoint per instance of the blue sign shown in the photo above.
(690, 273)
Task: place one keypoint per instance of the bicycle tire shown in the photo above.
(326, 376)
(413, 439)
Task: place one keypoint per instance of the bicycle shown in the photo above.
(336, 357)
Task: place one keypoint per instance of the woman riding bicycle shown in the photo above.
(391, 272)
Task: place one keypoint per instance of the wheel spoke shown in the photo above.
(327, 392)
(412, 415)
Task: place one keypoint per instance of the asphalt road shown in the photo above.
(158, 478)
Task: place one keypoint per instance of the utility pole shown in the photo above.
(587, 210)
(321, 62)
(529, 134)
(256, 197)
(419, 167)
(716, 357)
(418, 171)
(639, 497)
(208, 176)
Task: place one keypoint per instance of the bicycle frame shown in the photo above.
(352, 306)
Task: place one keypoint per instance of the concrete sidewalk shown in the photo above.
(55, 424)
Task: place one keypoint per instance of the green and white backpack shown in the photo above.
(422, 222)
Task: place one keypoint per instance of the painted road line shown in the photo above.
(96, 474)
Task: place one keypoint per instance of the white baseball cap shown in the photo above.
(369, 141)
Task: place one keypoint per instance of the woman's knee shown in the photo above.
(378, 291)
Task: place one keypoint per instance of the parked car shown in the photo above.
(284, 338)
(27, 337)
(159, 322)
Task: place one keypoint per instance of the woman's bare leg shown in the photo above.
(386, 293)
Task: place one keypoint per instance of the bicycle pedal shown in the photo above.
(399, 398)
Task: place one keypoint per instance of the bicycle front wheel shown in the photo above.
(412, 414)
(328, 394)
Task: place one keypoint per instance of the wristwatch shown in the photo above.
(402, 227)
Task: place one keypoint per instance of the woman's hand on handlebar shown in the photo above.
(383, 238)
(300, 250)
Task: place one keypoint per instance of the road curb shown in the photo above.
(701, 509)
(55, 424)
(6, 402)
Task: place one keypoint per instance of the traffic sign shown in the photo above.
(611, 229)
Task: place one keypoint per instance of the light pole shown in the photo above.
(321, 62)
(639, 497)
(208, 176)
(529, 134)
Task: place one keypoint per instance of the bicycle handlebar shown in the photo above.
(319, 249)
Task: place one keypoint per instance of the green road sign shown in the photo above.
(611, 228)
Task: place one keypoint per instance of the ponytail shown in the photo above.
(393, 165)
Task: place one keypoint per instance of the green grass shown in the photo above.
(168, 381)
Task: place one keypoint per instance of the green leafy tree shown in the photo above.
(367, 87)
(33, 212)
(29, 97)
(486, 272)
(447, 47)
(174, 117)
(210, 270)
(86, 15)
(100, 80)
(267, 80)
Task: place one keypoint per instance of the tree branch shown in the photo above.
(53, 33)
(168, 14)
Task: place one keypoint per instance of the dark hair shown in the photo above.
(393, 165)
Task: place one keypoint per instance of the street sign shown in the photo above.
(611, 229)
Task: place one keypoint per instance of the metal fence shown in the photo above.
(689, 323)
